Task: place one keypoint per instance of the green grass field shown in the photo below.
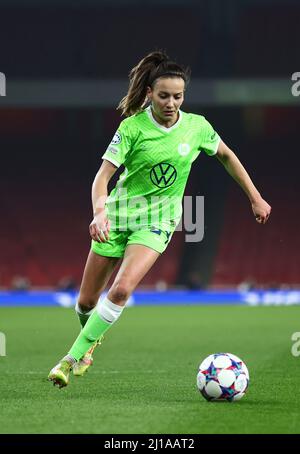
(144, 376)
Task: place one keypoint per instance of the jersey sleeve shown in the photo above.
(119, 146)
(210, 139)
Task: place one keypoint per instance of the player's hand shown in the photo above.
(261, 210)
(99, 228)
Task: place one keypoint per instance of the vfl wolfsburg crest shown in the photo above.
(184, 149)
(163, 175)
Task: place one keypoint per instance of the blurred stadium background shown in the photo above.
(66, 65)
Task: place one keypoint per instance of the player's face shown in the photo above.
(167, 96)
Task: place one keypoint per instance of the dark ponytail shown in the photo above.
(154, 65)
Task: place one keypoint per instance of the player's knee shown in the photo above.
(120, 292)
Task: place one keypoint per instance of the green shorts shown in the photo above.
(151, 237)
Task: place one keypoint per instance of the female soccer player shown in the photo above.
(157, 145)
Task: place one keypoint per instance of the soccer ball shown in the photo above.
(222, 377)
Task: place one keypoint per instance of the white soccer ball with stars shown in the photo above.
(222, 377)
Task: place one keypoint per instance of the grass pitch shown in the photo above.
(144, 376)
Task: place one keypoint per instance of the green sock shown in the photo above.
(98, 323)
(83, 316)
(90, 333)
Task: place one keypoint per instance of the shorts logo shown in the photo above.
(184, 149)
(159, 232)
(117, 138)
(168, 234)
(155, 230)
(163, 175)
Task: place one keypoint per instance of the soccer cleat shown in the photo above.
(59, 375)
(81, 367)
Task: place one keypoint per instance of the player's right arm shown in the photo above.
(113, 158)
(99, 227)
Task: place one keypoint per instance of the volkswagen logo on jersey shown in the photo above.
(163, 175)
(117, 138)
(184, 149)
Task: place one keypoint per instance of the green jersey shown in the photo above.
(157, 163)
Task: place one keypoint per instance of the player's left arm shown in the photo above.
(232, 164)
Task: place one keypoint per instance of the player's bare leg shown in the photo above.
(137, 262)
(97, 272)
(96, 275)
